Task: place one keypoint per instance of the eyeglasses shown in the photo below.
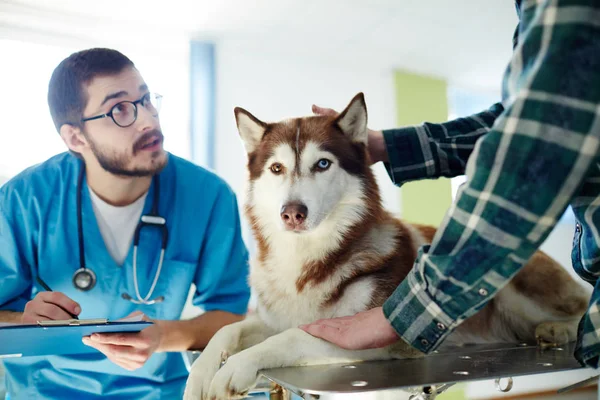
(125, 113)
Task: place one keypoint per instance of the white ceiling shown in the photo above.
(466, 41)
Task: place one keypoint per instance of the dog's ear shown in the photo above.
(353, 120)
(251, 129)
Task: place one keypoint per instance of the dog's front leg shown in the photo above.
(226, 342)
(294, 347)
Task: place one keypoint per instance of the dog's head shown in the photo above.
(309, 170)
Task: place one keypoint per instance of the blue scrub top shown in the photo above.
(38, 235)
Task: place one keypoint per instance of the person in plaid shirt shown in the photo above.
(527, 159)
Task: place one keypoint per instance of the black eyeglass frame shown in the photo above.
(135, 110)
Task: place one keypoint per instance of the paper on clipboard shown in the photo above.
(93, 321)
(2, 324)
(134, 318)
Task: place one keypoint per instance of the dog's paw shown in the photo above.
(201, 375)
(554, 333)
(234, 379)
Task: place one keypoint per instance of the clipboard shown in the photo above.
(58, 337)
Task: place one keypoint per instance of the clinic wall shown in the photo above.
(275, 87)
(419, 99)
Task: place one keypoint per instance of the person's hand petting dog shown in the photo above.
(376, 144)
(365, 330)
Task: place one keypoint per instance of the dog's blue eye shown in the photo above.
(323, 163)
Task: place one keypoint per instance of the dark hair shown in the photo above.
(66, 91)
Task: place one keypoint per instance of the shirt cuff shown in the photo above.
(407, 160)
(415, 315)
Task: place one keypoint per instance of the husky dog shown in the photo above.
(327, 248)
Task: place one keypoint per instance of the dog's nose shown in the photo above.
(293, 214)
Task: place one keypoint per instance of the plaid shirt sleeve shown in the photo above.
(435, 150)
(522, 174)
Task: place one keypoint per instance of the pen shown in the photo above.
(47, 288)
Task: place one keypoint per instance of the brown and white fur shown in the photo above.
(327, 248)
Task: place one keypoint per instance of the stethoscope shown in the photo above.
(84, 279)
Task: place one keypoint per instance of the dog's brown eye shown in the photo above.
(276, 168)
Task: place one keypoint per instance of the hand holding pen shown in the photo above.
(49, 305)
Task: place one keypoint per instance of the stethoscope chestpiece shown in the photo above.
(84, 279)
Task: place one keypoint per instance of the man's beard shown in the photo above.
(116, 163)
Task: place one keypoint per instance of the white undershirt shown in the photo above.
(117, 224)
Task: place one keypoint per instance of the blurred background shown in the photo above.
(415, 61)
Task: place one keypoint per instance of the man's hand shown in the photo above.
(47, 306)
(127, 350)
(375, 143)
(365, 330)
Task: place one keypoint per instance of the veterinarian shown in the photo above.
(71, 222)
(527, 159)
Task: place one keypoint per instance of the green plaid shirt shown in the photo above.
(527, 159)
